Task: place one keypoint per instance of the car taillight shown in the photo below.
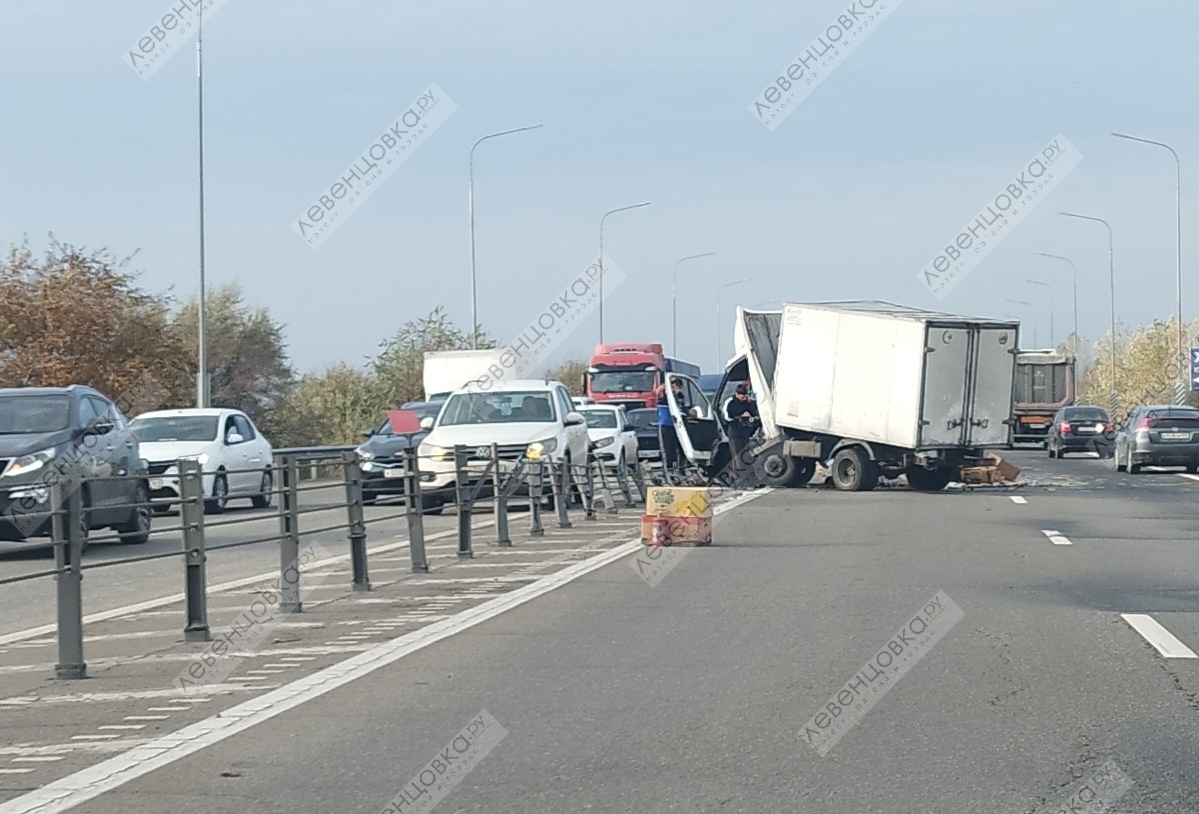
(1144, 425)
(1065, 426)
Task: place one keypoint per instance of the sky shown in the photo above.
(849, 197)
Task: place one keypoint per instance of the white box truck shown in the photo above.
(875, 388)
(446, 371)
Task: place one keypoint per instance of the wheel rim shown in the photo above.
(774, 467)
(847, 470)
(220, 492)
(267, 485)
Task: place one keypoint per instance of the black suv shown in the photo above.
(45, 429)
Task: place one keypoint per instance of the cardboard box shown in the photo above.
(678, 501)
(680, 531)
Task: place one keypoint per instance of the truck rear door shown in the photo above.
(994, 374)
(944, 401)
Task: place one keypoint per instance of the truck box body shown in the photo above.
(446, 371)
(892, 375)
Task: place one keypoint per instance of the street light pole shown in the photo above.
(474, 303)
(1051, 332)
(1035, 341)
(601, 260)
(1074, 270)
(718, 292)
(1111, 260)
(1184, 358)
(674, 302)
(202, 315)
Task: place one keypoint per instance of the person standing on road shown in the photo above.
(668, 436)
(742, 413)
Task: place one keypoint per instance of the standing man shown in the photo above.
(742, 413)
(667, 437)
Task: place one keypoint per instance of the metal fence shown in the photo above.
(496, 479)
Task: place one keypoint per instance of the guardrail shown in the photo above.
(476, 479)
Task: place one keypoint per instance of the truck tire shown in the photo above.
(778, 470)
(853, 471)
(928, 480)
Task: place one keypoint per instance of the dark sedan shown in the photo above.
(1081, 429)
(382, 454)
(645, 422)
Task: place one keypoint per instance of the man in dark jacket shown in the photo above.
(742, 413)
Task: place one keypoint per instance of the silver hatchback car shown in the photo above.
(1158, 435)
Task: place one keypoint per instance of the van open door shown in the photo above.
(694, 419)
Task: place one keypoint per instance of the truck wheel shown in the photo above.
(928, 480)
(805, 468)
(853, 471)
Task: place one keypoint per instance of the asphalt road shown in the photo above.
(692, 695)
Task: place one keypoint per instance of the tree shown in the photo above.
(75, 317)
(570, 373)
(399, 367)
(331, 408)
(247, 356)
(1147, 365)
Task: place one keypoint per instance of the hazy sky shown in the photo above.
(848, 198)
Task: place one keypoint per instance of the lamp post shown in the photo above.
(1036, 342)
(674, 301)
(1046, 285)
(718, 293)
(201, 305)
(601, 260)
(1184, 360)
(1111, 261)
(1074, 270)
(474, 304)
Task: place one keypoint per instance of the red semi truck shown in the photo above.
(628, 373)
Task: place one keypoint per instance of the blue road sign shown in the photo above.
(1195, 368)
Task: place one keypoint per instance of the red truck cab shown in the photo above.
(629, 373)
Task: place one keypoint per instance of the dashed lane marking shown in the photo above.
(1187, 475)
(1162, 640)
(75, 789)
(1056, 537)
(1018, 499)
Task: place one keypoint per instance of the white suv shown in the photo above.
(526, 418)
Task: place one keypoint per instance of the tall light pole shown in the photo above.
(1046, 285)
(1111, 261)
(1180, 387)
(674, 301)
(1074, 270)
(202, 315)
(1036, 342)
(474, 303)
(719, 291)
(601, 260)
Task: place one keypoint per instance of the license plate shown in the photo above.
(647, 453)
(393, 473)
(1088, 430)
(156, 483)
(1176, 436)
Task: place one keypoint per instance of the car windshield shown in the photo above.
(622, 381)
(21, 415)
(175, 428)
(499, 408)
(423, 410)
(1085, 414)
(600, 419)
(644, 419)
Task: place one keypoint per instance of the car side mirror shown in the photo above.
(367, 433)
(103, 426)
(629, 428)
(233, 438)
(426, 423)
(574, 419)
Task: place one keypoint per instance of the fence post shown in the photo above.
(289, 531)
(609, 498)
(639, 480)
(462, 493)
(195, 558)
(536, 529)
(622, 480)
(66, 503)
(358, 561)
(415, 511)
(502, 538)
(590, 481)
(561, 480)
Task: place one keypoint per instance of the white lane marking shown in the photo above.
(38, 759)
(1018, 499)
(90, 783)
(150, 604)
(1187, 475)
(1166, 642)
(15, 771)
(93, 737)
(1056, 537)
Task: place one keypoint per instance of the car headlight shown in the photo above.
(605, 442)
(29, 463)
(201, 459)
(365, 455)
(436, 453)
(538, 448)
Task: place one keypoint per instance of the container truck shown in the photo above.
(874, 388)
(1044, 385)
(629, 373)
(448, 370)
